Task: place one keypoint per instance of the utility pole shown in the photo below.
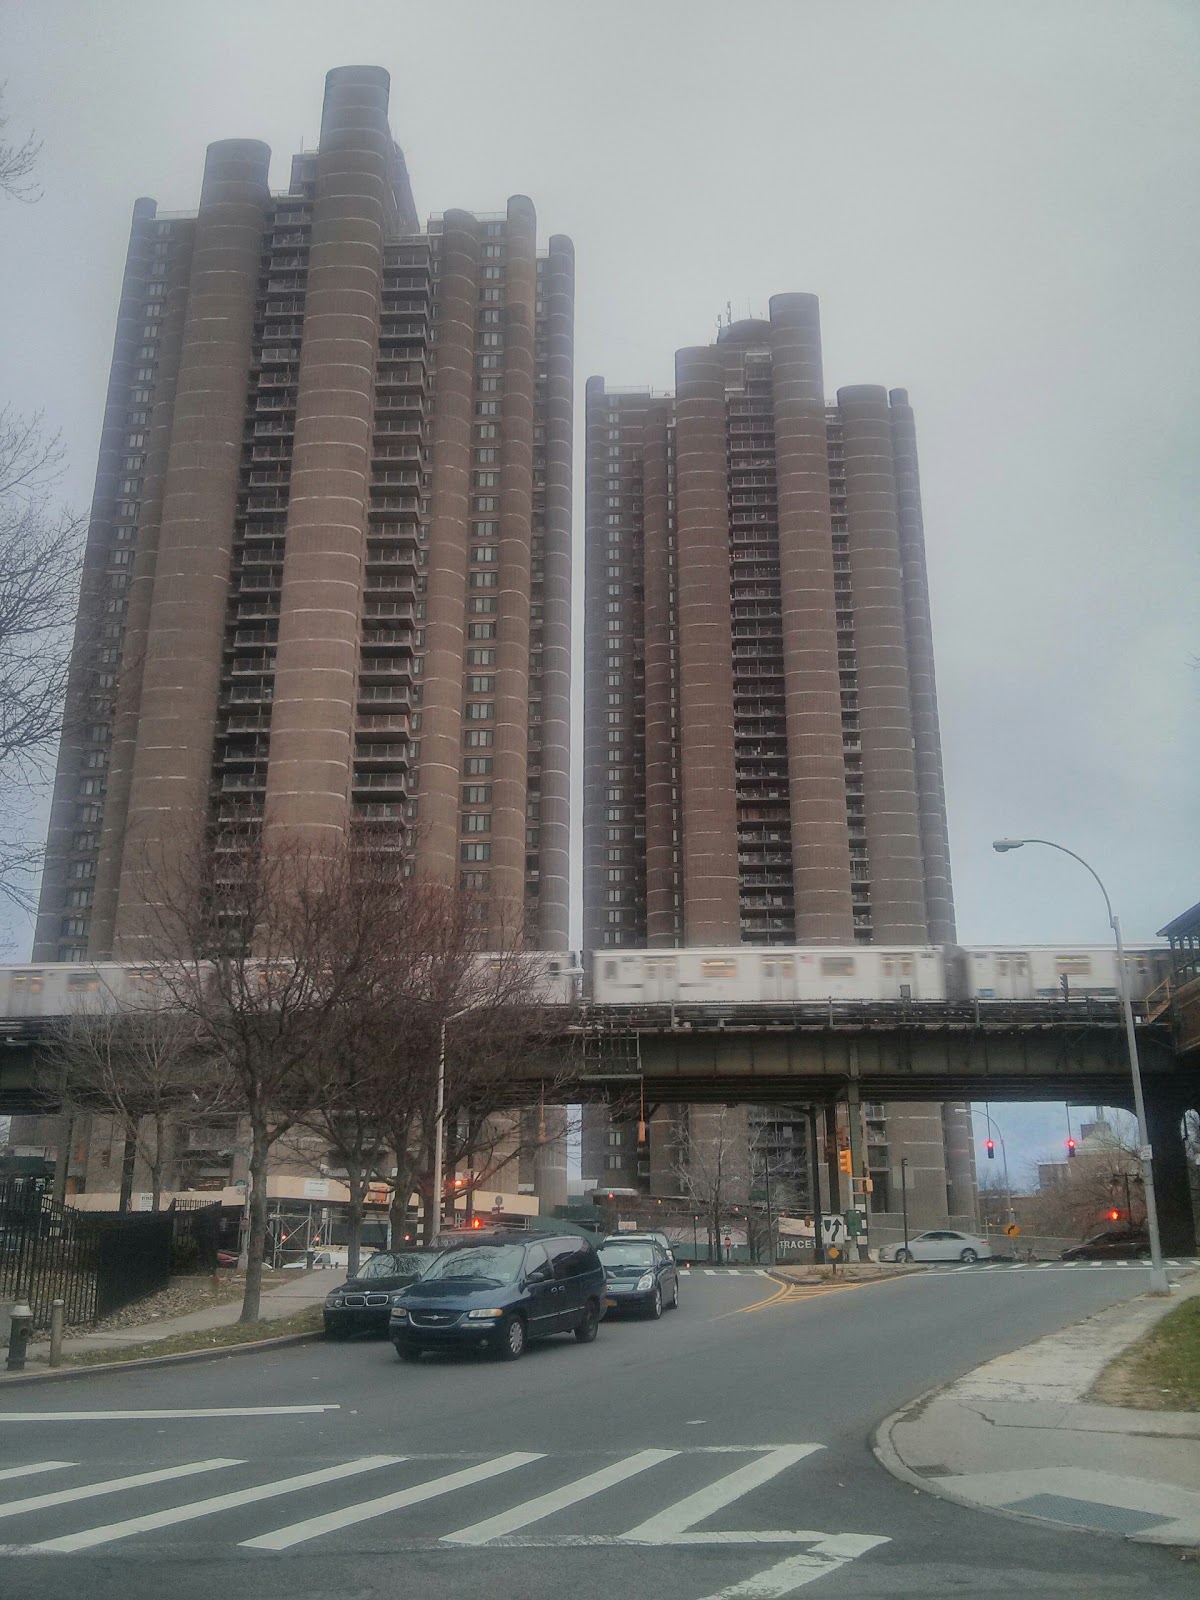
(904, 1198)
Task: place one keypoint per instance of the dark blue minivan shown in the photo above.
(496, 1292)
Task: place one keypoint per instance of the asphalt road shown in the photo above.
(722, 1452)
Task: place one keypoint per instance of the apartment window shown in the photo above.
(613, 678)
(487, 408)
(487, 430)
(615, 855)
(491, 341)
(613, 521)
(489, 578)
(615, 794)
(477, 822)
(487, 503)
(485, 552)
(614, 588)
(80, 899)
(613, 814)
(489, 318)
(492, 273)
(74, 928)
(488, 385)
(613, 607)
(487, 480)
(477, 766)
(484, 530)
(481, 683)
(481, 658)
(472, 880)
(479, 738)
(484, 603)
(475, 852)
(616, 874)
(481, 630)
(616, 916)
(614, 571)
(82, 869)
(477, 794)
(481, 710)
(492, 252)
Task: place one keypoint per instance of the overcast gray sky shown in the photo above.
(996, 202)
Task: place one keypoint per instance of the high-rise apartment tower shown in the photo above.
(328, 568)
(762, 761)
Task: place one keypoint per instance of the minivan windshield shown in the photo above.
(485, 1263)
(627, 1255)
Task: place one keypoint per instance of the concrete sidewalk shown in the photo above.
(301, 1290)
(1017, 1435)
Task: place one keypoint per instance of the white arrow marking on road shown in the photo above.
(796, 1571)
(92, 1491)
(204, 1508)
(312, 1527)
(32, 1468)
(558, 1499)
(666, 1527)
(163, 1416)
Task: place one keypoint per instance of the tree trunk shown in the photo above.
(259, 1151)
(128, 1158)
(354, 1217)
(156, 1165)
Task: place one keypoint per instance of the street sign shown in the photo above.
(498, 1203)
(1012, 1230)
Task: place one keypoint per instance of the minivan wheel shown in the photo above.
(968, 1256)
(588, 1325)
(512, 1339)
(655, 1308)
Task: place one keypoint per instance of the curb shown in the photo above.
(61, 1374)
(890, 1459)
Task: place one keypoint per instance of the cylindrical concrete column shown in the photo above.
(312, 719)
(140, 598)
(958, 1137)
(816, 769)
(172, 766)
(927, 739)
(885, 717)
(709, 796)
(449, 519)
(92, 616)
(660, 734)
(516, 515)
(554, 857)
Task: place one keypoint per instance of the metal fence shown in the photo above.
(93, 1263)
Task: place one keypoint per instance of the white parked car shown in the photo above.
(939, 1244)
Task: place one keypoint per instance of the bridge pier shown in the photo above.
(1172, 1187)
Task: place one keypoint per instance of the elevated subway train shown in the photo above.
(57, 989)
(765, 974)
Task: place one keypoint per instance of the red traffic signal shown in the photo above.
(991, 1150)
(1114, 1215)
(1070, 1147)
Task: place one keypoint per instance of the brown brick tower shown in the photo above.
(328, 568)
(762, 762)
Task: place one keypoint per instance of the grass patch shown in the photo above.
(309, 1320)
(1161, 1372)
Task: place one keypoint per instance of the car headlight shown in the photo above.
(488, 1315)
(646, 1281)
(334, 1300)
(399, 1314)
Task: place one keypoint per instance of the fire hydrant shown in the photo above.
(19, 1334)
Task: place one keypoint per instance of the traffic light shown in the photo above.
(1070, 1147)
(844, 1161)
(991, 1150)
(1113, 1214)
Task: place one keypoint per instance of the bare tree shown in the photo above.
(263, 951)
(17, 164)
(40, 546)
(136, 1062)
(714, 1168)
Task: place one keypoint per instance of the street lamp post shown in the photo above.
(438, 1119)
(904, 1199)
(1158, 1273)
(1008, 1205)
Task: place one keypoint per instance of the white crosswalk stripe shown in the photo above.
(547, 1504)
(32, 1469)
(684, 1514)
(93, 1491)
(90, 1537)
(298, 1532)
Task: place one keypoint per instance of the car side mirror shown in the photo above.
(538, 1274)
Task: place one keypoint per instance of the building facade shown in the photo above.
(328, 566)
(762, 760)
(328, 569)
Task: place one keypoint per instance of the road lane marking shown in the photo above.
(33, 1468)
(163, 1416)
(677, 1519)
(795, 1572)
(90, 1537)
(92, 1491)
(313, 1527)
(558, 1499)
